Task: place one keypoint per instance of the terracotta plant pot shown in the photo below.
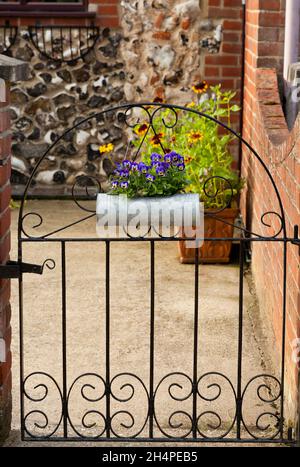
(212, 251)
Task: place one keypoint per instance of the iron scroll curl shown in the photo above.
(269, 391)
(36, 421)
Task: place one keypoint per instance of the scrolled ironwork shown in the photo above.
(129, 110)
(167, 237)
(49, 263)
(278, 216)
(84, 181)
(35, 225)
(269, 391)
(148, 121)
(36, 397)
(217, 190)
(124, 393)
(91, 392)
(217, 426)
(136, 237)
(180, 424)
(211, 392)
(93, 424)
(155, 115)
(173, 387)
(125, 425)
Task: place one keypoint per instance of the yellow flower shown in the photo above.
(188, 159)
(141, 129)
(106, 148)
(156, 139)
(191, 105)
(194, 136)
(200, 88)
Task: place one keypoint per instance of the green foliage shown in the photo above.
(161, 176)
(206, 149)
(13, 204)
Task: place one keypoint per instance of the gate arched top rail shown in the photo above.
(152, 116)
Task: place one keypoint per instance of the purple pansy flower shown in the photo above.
(114, 183)
(124, 173)
(126, 164)
(181, 166)
(175, 157)
(155, 157)
(124, 184)
(143, 168)
(160, 170)
(150, 178)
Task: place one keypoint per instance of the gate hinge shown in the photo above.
(14, 269)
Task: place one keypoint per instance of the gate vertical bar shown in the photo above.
(283, 338)
(64, 338)
(240, 342)
(21, 330)
(152, 305)
(195, 350)
(107, 333)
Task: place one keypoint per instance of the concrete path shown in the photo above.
(130, 298)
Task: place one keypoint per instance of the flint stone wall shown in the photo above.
(158, 51)
(57, 96)
(164, 45)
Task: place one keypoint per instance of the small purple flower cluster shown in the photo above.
(156, 175)
(158, 167)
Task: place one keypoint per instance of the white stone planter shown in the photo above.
(117, 214)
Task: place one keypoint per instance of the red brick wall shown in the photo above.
(107, 12)
(266, 130)
(226, 66)
(5, 329)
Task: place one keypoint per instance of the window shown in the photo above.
(36, 6)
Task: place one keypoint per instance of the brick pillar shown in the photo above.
(10, 70)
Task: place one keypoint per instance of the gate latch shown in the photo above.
(14, 269)
(296, 240)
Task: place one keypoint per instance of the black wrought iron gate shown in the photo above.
(125, 404)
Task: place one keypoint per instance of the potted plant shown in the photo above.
(209, 164)
(148, 194)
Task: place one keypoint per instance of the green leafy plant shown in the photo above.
(206, 149)
(160, 176)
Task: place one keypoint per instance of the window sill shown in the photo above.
(48, 14)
